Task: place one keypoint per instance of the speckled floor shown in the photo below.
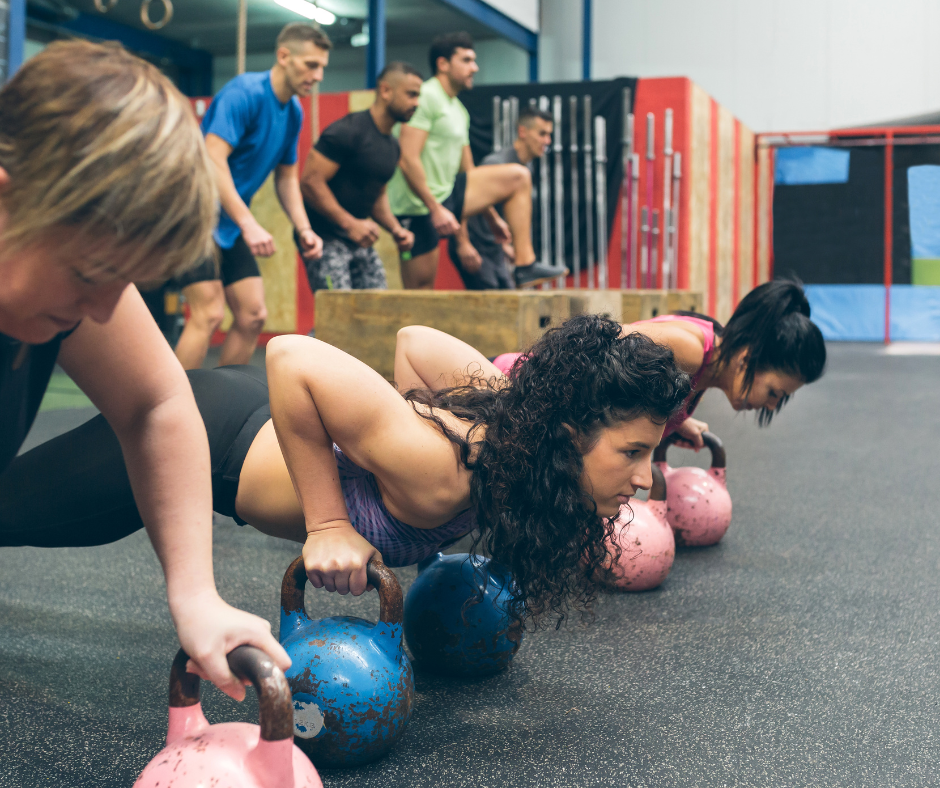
(802, 651)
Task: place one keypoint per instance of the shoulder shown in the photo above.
(684, 339)
(249, 85)
(432, 94)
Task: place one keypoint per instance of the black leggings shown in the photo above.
(73, 491)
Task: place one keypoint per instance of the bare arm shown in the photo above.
(428, 358)
(130, 373)
(287, 187)
(412, 142)
(687, 344)
(355, 408)
(259, 240)
(470, 258)
(382, 213)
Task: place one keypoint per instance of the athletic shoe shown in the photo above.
(535, 274)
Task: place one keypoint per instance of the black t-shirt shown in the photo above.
(24, 375)
(367, 160)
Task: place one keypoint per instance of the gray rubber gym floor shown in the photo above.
(802, 651)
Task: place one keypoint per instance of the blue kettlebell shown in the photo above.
(456, 616)
(351, 681)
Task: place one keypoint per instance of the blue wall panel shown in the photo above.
(856, 313)
(915, 313)
(853, 313)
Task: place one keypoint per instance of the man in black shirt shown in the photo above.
(479, 258)
(344, 182)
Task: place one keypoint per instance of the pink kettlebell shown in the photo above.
(231, 754)
(699, 506)
(647, 544)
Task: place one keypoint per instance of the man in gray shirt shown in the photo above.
(480, 260)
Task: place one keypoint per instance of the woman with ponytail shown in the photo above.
(768, 350)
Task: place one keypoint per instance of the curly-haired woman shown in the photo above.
(768, 350)
(343, 463)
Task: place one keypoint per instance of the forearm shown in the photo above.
(167, 457)
(231, 201)
(413, 170)
(288, 193)
(382, 213)
(462, 236)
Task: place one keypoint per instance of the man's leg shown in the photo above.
(332, 270)
(511, 185)
(367, 271)
(420, 271)
(246, 300)
(206, 302)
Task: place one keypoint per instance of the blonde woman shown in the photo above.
(105, 181)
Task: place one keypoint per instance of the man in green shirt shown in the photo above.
(437, 185)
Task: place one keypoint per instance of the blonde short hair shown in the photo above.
(98, 141)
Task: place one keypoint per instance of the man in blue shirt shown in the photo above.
(251, 129)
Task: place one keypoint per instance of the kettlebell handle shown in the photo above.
(276, 710)
(712, 443)
(658, 490)
(391, 604)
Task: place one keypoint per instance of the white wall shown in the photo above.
(525, 12)
(776, 64)
(560, 41)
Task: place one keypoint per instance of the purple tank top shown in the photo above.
(708, 335)
(400, 544)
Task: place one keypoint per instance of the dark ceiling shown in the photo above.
(212, 24)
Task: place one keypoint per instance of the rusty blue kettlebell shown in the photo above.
(351, 682)
(457, 618)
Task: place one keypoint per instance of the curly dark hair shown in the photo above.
(525, 449)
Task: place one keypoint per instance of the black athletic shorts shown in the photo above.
(74, 491)
(234, 264)
(426, 237)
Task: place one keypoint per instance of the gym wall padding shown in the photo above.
(923, 190)
(745, 212)
(811, 165)
(856, 313)
(764, 186)
(724, 240)
(833, 233)
(697, 174)
(853, 313)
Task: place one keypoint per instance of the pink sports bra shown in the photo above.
(504, 363)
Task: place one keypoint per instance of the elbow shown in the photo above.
(281, 350)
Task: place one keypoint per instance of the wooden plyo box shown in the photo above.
(364, 323)
(685, 301)
(628, 306)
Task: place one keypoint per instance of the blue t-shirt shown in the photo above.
(262, 131)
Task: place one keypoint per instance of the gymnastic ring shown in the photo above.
(105, 5)
(145, 14)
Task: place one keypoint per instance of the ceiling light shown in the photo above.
(361, 39)
(308, 10)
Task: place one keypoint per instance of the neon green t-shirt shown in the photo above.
(447, 123)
